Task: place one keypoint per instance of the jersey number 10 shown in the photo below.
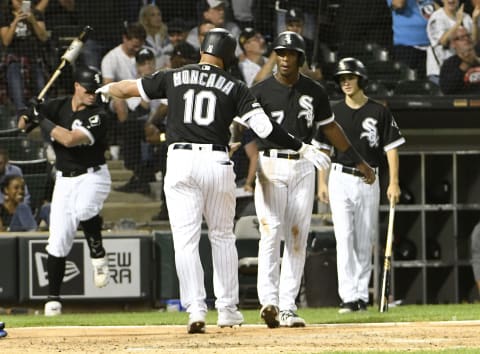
(194, 107)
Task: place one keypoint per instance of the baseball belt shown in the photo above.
(281, 155)
(350, 170)
(207, 147)
(78, 172)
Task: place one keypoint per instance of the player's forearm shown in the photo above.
(393, 166)
(124, 89)
(336, 136)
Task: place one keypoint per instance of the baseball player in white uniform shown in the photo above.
(203, 100)
(286, 182)
(77, 128)
(373, 131)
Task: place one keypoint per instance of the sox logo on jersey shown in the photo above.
(371, 131)
(305, 102)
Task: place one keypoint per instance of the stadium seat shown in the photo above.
(8, 122)
(248, 235)
(375, 88)
(366, 52)
(417, 87)
(21, 148)
(389, 73)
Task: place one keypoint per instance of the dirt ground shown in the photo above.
(246, 339)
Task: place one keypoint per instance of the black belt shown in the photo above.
(352, 171)
(215, 147)
(78, 172)
(281, 155)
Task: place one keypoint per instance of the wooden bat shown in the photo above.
(69, 56)
(387, 265)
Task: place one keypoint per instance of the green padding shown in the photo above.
(167, 285)
(8, 264)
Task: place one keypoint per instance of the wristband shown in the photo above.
(47, 125)
(353, 155)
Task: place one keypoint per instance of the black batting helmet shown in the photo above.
(293, 41)
(89, 77)
(220, 43)
(352, 66)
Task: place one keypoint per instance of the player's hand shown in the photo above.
(315, 156)
(104, 92)
(368, 172)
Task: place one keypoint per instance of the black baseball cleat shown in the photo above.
(270, 314)
(362, 305)
(347, 307)
(196, 327)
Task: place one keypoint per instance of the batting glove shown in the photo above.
(315, 156)
(104, 92)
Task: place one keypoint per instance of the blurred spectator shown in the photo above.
(254, 48)
(410, 40)
(136, 153)
(460, 73)
(157, 35)
(243, 12)
(119, 63)
(22, 34)
(61, 13)
(295, 22)
(441, 26)
(177, 33)
(15, 215)
(214, 11)
(107, 18)
(41, 5)
(203, 28)
(7, 169)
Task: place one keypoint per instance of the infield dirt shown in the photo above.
(247, 339)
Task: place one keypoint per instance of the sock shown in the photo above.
(56, 271)
(92, 229)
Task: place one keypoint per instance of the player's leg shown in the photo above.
(366, 226)
(341, 189)
(185, 205)
(60, 241)
(297, 224)
(270, 202)
(219, 193)
(91, 191)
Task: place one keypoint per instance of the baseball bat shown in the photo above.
(387, 265)
(69, 56)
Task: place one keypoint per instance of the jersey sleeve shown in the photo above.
(94, 126)
(153, 86)
(323, 111)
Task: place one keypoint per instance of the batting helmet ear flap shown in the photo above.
(352, 66)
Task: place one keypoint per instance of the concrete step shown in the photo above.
(121, 175)
(139, 212)
(133, 198)
(115, 165)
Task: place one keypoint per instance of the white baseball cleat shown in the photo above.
(101, 274)
(53, 308)
(229, 318)
(288, 318)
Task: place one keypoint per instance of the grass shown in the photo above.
(410, 313)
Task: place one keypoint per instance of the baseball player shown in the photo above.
(286, 181)
(77, 128)
(355, 205)
(203, 100)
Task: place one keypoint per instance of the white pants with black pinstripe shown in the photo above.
(284, 195)
(354, 205)
(200, 182)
